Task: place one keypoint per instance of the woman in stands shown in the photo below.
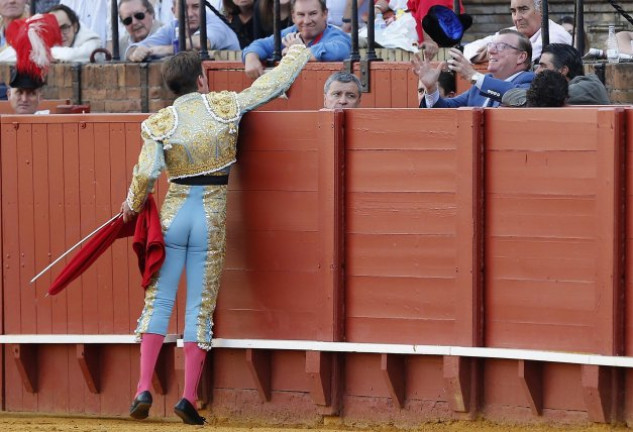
(263, 17)
(240, 16)
(78, 42)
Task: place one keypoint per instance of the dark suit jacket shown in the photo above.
(492, 88)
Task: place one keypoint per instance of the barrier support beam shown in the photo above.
(258, 362)
(596, 392)
(319, 370)
(88, 359)
(25, 356)
(393, 370)
(458, 379)
(531, 378)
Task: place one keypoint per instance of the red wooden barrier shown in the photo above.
(362, 226)
(281, 278)
(553, 229)
(412, 226)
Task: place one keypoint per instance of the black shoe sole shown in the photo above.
(185, 417)
(140, 411)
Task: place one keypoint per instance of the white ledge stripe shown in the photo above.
(476, 352)
(75, 339)
(350, 347)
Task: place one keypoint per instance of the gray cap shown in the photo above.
(514, 98)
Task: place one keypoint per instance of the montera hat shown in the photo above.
(24, 81)
(444, 26)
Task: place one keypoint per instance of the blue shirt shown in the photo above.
(334, 45)
(220, 36)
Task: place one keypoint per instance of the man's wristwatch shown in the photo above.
(475, 77)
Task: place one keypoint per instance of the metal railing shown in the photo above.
(579, 34)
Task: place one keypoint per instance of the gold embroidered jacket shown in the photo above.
(197, 135)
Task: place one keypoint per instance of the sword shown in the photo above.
(75, 247)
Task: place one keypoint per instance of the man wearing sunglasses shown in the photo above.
(138, 17)
(508, 67)
(160, 44)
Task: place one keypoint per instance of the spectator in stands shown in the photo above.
(548, 89)
(263, 17)
(445, 84)
(138, 17)
(24, 93)
(240, 16)
(42, 6)
(342, 90)
(326, 42)
(583, 89)
(335, 11)
(510, 60)
(93, 15)
(160, 44)
(417, 8)
(78, 42)
(164, 10)
(567, 22)
(526, 15)
(10, 10)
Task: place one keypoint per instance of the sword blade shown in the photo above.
(79, 243)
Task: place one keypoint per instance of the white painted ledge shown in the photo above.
(344, 347)
(75, 339)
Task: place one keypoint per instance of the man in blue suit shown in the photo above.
(510, 60)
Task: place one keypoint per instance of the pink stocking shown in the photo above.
(150, 348)
(194, 360)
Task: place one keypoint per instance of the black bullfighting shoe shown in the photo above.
(141, 405)
(188, 413)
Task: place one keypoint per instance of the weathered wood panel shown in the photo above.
(405, 200)
(553, 229)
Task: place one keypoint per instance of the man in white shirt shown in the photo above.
(527, 17)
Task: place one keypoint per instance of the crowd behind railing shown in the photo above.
(232, 25)
(263, 30)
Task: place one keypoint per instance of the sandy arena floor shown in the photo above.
(10, 422)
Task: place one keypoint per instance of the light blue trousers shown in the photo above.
(193, 221)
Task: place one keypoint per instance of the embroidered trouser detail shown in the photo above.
(193, 220)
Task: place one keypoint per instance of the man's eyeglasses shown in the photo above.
(140, 16)
(501, 46)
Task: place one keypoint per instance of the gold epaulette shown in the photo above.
(223, 106)
(162, 124)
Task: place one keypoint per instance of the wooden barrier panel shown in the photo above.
(62, 177)
(412, 226)
(553, 229)
(282, 269)
(392, 85)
